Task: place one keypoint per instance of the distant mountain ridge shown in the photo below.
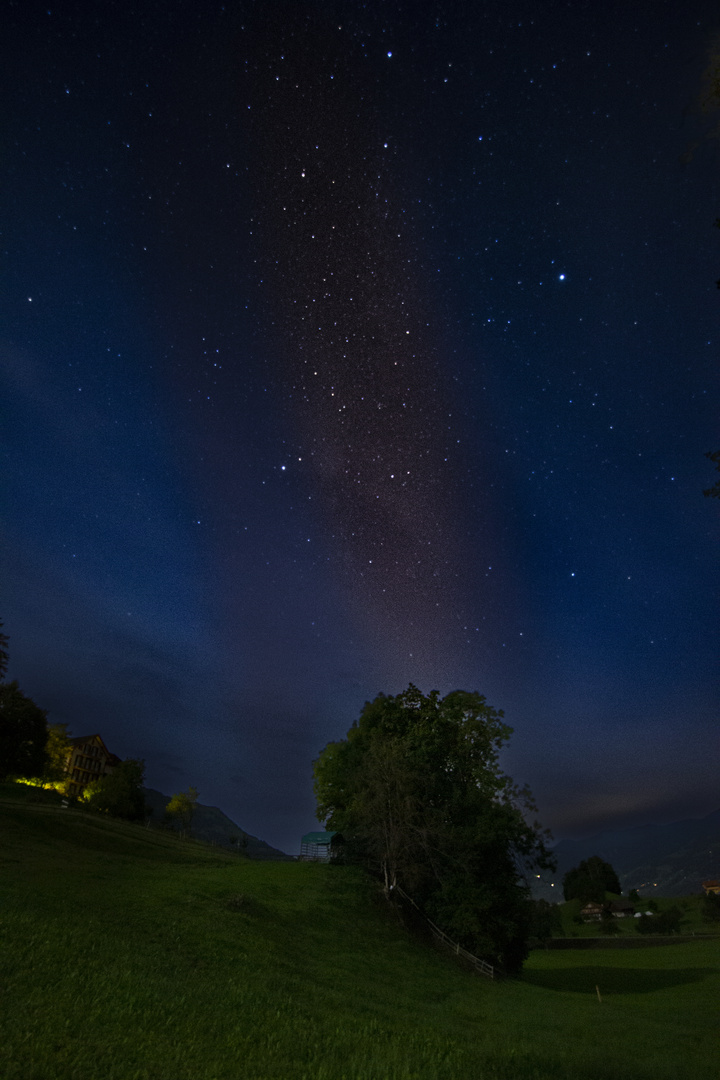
(663, 860)
(213, 826)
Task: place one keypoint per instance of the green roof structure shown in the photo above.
(316, 846)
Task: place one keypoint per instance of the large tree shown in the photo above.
(417, 793)
(23, 734)
(590, 881)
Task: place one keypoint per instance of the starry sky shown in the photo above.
(347, 345)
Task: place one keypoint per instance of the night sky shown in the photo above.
(352, 345)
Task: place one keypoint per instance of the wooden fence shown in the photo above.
(480, 966)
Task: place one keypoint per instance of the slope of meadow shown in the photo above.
(128, 954)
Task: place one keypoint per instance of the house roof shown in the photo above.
(77, 739)
(318, 837)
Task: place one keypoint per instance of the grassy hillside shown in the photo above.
(213, 826)
(692, 921)
(130, 955)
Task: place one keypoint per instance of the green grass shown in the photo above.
(130, 955)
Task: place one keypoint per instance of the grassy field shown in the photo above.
(129, 955)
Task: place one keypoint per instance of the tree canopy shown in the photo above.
(590, 881)
(23, 734)
(418, 795)
(182, 807)
(120, 792)
(58, 747)
(713, 492)
(3, 653)
(27, 744)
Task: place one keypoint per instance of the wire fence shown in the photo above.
(480, 966)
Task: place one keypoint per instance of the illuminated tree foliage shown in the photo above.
(181, 808)
(58, 747)
(417, 793)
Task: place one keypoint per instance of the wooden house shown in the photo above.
(592, 912)
(711, 887)
(88, 760)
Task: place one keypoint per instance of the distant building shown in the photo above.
(592, 912)
(622, 909)
(317, 846)
(711, 887)
(88, 760)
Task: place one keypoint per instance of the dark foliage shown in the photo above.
(120, 792)
(666, 922)
(545, 920)
(714, 456)
(590, 881)
(711, 907)
(608, 922)
(418, 795)
(23, 734)
(3, 654)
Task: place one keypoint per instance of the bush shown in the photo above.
(711, 907)
(667, 922)
(608, 923)
(119, 793)
(545, 920)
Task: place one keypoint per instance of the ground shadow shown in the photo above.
(584, 980)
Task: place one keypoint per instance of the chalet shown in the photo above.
(592, 912)
(88, 759)
(317, 846)
(711, 887)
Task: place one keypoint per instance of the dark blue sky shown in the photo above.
(346, 346)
